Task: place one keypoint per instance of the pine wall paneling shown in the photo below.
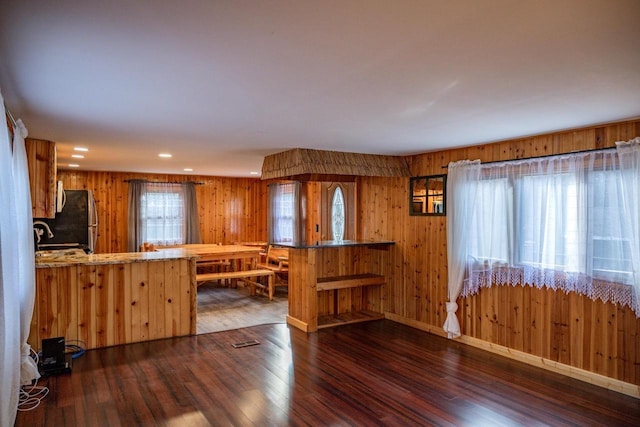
(311, 193)
(230, 209)
(570, 329)
(109, 304)
(41, 159)
(566, 328)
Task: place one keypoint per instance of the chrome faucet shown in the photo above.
(40, 232)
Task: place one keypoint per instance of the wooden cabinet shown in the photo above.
(41, 158)
(336, 284)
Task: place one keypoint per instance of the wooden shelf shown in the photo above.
(336, 285)
(328, 321)
(352, 281)
(345, 283)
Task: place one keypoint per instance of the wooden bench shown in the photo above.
(245, 276)
(216, 266)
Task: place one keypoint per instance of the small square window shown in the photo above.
(427, 196)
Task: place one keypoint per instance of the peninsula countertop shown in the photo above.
(65, 258)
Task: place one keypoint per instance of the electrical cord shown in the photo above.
(75, 347)
(31, 395)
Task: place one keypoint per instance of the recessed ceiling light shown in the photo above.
(77, 156)
(80, 149)
(188, 170)
(73, 165)
(254, 173)
(165, 155)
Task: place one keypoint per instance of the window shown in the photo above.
(547, 215)
(284, 210)
(560, 222)
(569, 222)
(162, 215)
(337, 215)
(492, 222)
(337, 220)
(609, 245)
(427, 195)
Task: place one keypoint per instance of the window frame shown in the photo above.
(420, 204)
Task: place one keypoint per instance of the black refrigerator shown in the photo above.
(76, 226)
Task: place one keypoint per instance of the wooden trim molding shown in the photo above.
(550, 365)
(303, 326)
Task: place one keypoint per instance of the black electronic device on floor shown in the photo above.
(54, 360)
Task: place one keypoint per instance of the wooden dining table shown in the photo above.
(233, 253)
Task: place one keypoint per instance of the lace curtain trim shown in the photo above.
(540, 278)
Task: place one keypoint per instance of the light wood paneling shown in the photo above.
(569, 329)
(312, 196)
(303, 306)
(230, 209)
(109, 304)
(41, 159)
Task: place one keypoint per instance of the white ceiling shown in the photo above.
(220, 84)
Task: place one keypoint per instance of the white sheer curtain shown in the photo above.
(26, 261)
(462, 183)
(9, 287)
(162, 213)
(284, 212)
(567, 222)
(629, 155)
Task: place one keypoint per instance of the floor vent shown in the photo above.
(245, 344)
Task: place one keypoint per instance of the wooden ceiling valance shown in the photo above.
(305, 164)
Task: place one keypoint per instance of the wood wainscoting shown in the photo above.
(564, 328)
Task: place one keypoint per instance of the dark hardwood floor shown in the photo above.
(378, 373)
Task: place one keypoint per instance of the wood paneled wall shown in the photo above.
(231, 209)
(41, 159)
(567, 328)
(110, 304)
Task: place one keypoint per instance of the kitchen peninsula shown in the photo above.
(333, 283)
(115, 298)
